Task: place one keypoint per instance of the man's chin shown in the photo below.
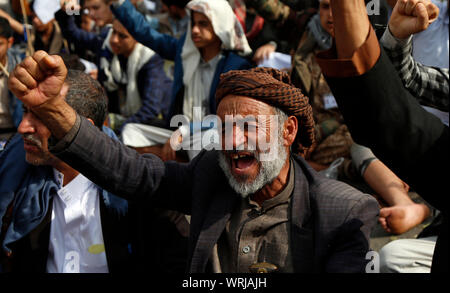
(35, 160)
(243, 178)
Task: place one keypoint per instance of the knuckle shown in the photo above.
(21, 71)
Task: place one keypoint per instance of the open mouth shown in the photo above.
(242, 162)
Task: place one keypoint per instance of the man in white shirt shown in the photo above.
(74, 215)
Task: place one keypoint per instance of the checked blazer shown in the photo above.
(330, 221)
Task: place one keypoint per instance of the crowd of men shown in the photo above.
(171, 136)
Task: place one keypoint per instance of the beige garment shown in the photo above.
(259, 234)
(332, 135)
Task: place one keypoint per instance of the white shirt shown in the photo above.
(76, 240)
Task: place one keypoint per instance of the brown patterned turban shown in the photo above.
(273, 87)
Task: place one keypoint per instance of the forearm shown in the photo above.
(88, 40)
(351, 26)
(57, 115)
(427, 84)
(109, 163)
(386, 184)
(141, 30)
(15, 25)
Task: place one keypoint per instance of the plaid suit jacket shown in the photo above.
(331, 221)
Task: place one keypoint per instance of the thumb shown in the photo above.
(422, 17)
(51, 64)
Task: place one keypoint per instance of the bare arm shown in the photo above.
(15, 25)
(351, 26)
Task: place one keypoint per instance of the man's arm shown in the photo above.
(88, 40)
(427, 84)
(38, 82)
(136, 24)
(15, 25)
(380, 112)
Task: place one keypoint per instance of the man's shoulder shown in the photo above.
(330, 192)
(335, 197)
(340, 208)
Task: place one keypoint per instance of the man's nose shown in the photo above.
(195, 29)
(113, 39)
(26, 125)
(234, 138)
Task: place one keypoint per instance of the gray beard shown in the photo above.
(268, 171)
(44, 158)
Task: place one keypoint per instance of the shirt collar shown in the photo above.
(78, 185)
(213, 62)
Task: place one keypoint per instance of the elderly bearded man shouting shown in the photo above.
(294, 220)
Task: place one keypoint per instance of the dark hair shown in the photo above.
(5, 28)
(86, 96)
(72, 61)
(178, 3)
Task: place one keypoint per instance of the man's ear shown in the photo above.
(290, 130)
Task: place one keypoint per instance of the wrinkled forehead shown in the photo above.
(243, 106)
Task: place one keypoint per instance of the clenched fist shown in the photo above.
(38, 79)
(411, 17)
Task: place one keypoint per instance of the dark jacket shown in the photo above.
(331, 221)
(381, 114)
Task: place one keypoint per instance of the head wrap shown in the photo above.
(226, 26)
(274, 88)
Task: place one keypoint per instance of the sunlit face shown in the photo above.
(35, 139)
(5, 44)
(122, 43)
(326, 16)
(244, 167)
(203, 34)
(99, 11)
